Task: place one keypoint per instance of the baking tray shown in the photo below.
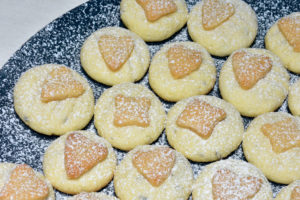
(60, 42)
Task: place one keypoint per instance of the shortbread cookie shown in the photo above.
(79, 161)
(53, 99)
(204, 128)
(272, 143)
(231, 179)
(254, 81)
(180, 70)
(290, 192)
(114, 55)
(222, 26)
(294, 98)
(92, 196)
(128, 115)
(154, 20)
(153, 172)
(283, 39)
(21, 182)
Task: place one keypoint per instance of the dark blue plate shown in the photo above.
(60, 42)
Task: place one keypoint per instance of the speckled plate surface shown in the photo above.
(60, 42)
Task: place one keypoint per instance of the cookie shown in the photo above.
(204, 128)
(180, 70)
(154, 20)
(78, 162)
(283, 39)
(231, 179)
(254, 81)
(222, 27)
(128, 115)
(53, 99)
(294, 98)
(21, 182)
(272, 144)
(153, 172)
(114, 55)
(92, 196)
(290, 192)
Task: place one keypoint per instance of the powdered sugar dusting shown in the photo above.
(155, 165)
(176, 186)
(283, 135)
(215, 12)
(250, 68)
(239, 175)
(131, 111)
(183, 61)
(115, 50)
(228, 185)
(23, 183)
(201, 118)
(82, 154)
(60, 85)
(60, 42)
(290, 28)
(154, 10)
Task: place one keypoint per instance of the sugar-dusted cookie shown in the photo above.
(231, 180)
(154, 20)
(204, 128)
(79, 161)
(283, 39)
(180, 70)
(21, 182)
(92, 196)
(153, 172)
(294, 98)
(53, 99)
(114, 55)
(254, 81)
(222, 26)
(128, 115)
(272, 143)
(290, 192)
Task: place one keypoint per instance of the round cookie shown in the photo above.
(114, 55)
(225, 27)
(180, 70)
(92, 196)
(254, 81)
(174, 15)
(73, 163)
(279, 44)
(128, 115)
(19, 181)
(134, 176)
(290, 192)
(272, 143)
(294, 98)
(53, 99)
(193, 140)
(231, 179)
